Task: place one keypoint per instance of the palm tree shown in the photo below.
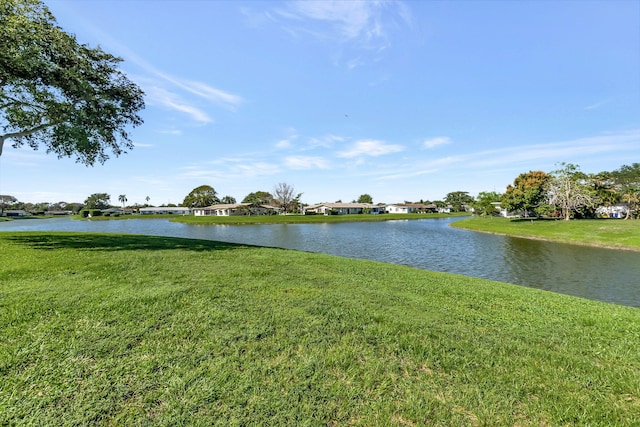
(147, 199)
(123, 199)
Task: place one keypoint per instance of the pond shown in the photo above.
(594, 273)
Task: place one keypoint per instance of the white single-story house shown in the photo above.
(615, 211)
(236, 209)
(503, 212)
(176, 210)
(58, 213)
(405, 208)
(344, 208)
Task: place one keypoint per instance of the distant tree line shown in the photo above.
(284, 197)
(566, 193)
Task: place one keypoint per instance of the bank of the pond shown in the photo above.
(125, 330)
(306, 219)
(265, 219)
(608, 233)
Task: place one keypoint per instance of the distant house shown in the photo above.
(175, 210)
(505, 213)
(236, 209)
(16, 212)
(616, 211)
(405, 208)
(112, 211)
(55, 213)
(445, 209)
(344, 208)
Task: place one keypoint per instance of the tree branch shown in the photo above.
(20, 134)
(15, 101)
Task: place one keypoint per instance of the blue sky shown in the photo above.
(399, 100)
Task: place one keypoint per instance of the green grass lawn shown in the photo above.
(613, 233)
(106, 329)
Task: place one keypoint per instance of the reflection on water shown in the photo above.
(599, 274)
(593, 273)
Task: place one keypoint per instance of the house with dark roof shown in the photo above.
(176, 210)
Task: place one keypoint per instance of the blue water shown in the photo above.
(593, 273)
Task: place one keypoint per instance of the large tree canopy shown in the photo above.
(484, 203)
(97, 201)
(365, 198)
(259, 198)
(6, 200)
(458, 200)
(58, 93)
(628, 183)
(527, 192)
(201, 197)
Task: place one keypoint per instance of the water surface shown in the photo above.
(595, 273)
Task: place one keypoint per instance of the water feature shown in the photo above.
(594, 273)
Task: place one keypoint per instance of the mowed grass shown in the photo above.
(612, 233)
(105, 329)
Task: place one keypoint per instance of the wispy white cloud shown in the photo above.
(169, 84)
(597, 105)
(231, 168)
(165, 98)
(289, 139)
(361, 24)
(255, 169)
(405, 175)
(160, 78)
(370, 148)
(284, 143)
(349, 20)
(326, 141)
(306, 162)
(434, 142)
(22, 154)
(171, 132)
(142, 145)
(527, 157)
(355, 62)
(199, 172)
(212, 94)
(570, 150)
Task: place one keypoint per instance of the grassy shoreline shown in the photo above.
(310, 219)
(261, 219)
(108, 329)
(605, 233)
(278, 219)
